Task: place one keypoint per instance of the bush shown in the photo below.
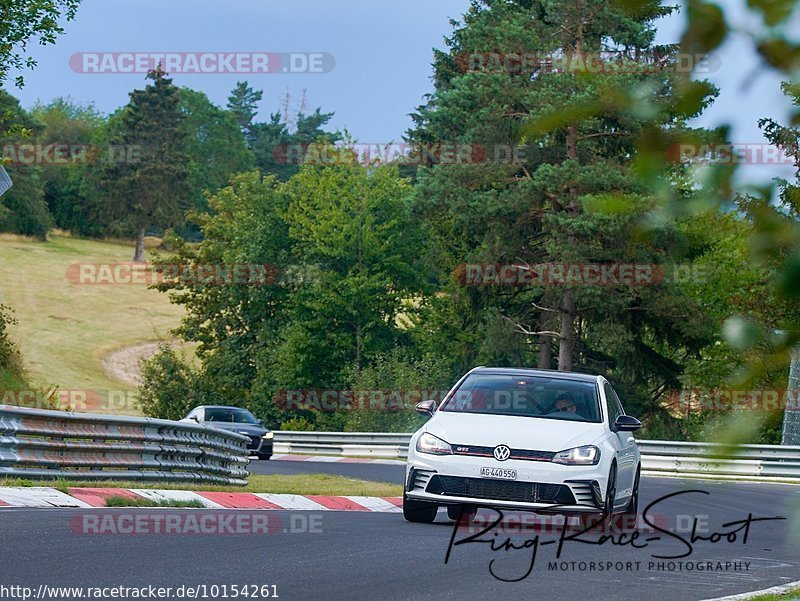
(7, 349)
(405, 379)
(12, 373)
(169, 387)
(27, 213)
(297, 424)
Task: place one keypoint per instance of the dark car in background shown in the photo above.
(235, 419)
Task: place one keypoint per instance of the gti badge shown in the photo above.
(502, 452)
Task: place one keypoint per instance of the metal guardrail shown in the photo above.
(36, 444)
(697, 458)
(658, 456)
(377, 444)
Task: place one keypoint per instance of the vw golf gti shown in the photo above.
(539, 440)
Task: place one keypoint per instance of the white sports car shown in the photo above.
(539, 440)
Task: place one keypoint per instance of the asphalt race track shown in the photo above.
(353, 555)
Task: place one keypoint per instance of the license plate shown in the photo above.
(499, 472)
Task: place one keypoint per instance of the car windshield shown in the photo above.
(526, 396)
(238, 416)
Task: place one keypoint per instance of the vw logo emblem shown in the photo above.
(502, 452)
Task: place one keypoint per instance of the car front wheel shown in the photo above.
(628, 517)
(611, 494)
(418, 511)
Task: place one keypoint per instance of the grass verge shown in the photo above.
(296, 484)
(792, 595)
(126, 502)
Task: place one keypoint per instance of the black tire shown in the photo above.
(419, 512)
(609, 518)
(263, 456)
(628, 518)
(454, 512)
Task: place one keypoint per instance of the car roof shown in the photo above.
(548, 373)
(220, 407)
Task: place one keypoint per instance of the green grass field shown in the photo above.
(66, 329)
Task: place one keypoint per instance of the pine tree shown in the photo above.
(150, 191)
(243, 103)
(570, 195)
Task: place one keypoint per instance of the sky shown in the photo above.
(382, 51)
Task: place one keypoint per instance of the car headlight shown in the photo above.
(268, 436)
(430, 444)
(586, 455)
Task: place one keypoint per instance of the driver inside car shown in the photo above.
(565, 402)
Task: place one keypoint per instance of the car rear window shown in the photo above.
(526, 396)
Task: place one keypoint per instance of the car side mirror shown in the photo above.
(626, 423)
(194, 418)
(426, 408)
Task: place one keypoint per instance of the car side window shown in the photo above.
(613, 404)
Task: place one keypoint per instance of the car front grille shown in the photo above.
(501, 490)
(521, 454)
(254, 443)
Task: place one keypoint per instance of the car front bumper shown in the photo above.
(260, 446)
(540, 486)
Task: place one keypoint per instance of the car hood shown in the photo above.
(246, 429)
(517, 432)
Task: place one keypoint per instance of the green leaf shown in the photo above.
(706, 30)
(780, 53)
(774, 11)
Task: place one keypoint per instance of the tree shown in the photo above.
(74, 129)
(243, 103)
(24, 21)
(151, 190)
(232, 324)
(570, 195)
(343, 263)
(214, 146)
(23, 209)
(273, 142)
(352, 223)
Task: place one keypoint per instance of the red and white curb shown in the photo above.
(39, 496)
(333, 459)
